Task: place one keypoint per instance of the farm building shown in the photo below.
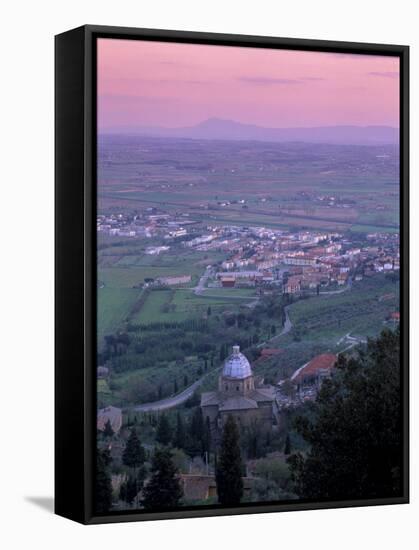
(293, 284)
(175, 280)
(227, 281)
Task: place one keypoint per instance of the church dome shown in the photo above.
(237, 366)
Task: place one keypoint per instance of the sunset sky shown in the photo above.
(144, 83)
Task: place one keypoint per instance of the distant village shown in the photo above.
(260, 256)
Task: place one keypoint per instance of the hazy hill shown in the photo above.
(216, 128)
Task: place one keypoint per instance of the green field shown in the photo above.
(230, 292)
(179, 305)
(114, 305)
(152, 310)
(362, 311)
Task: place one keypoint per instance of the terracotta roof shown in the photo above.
(323, 362)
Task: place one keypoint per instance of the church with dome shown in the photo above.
(250, 403)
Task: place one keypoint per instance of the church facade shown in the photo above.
(238, 394)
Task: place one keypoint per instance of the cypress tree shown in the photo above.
(164, 489)
(164, 431)
(134, 453)
(287, 447)
(108, 431)
(128, 490)
(180, 435)
(229, 466)
(207, 436)
(103, 483)
(197, 425)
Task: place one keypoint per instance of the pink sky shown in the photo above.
(144, 83)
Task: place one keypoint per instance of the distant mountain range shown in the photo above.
(216, 128)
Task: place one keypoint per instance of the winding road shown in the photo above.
(170, 402)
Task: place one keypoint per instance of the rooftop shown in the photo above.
(320, 363)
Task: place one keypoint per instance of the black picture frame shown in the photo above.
(75, 264)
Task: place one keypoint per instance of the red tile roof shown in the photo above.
(325, 361)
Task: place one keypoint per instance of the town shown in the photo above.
(259, 256)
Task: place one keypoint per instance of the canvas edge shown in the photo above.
(86, 513)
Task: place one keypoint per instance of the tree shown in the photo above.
(229, 466)
(163, 489)
(180, 434)
(175, 386)
(110, 342)
(134, 453)
(185, 380)
(209, 311)
(197, 425)
(194, 444)
(355, 429)
(287, 446)
(207, 436)
(103, 483)
(128, 490)
(108, 431)
(164, 431)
